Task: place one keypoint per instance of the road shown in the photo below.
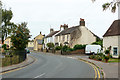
(53, 66)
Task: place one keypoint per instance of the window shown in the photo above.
(63, 37)
(115, 51)
(67, 37)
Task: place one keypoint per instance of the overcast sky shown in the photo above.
(43, 14)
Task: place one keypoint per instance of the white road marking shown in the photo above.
(39, 75)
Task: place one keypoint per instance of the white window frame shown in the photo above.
(113, 51)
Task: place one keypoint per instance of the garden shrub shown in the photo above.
(65, 48)
(92, 56)
(107, 51)
(4, 46)
(58, 47)
(106, 57)
(98, 57)
(76, 47)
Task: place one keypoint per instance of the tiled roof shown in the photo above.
(51, 34)
(114, 29)
(67, 31)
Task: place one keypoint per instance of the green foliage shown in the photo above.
(110, 5)
(106, 57)
(107, 51)
(58, 47)
(65, 48)
(4, 46)
(92, 56)
(77, 47)
(99, 57)
(6, 24)
(50, 45)
(98, 42)
(20, 36)
(70, 49)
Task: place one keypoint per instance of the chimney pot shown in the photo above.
(82, 22)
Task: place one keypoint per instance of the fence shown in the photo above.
(13, 57)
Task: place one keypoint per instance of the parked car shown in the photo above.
(27, 50)
(92, 49)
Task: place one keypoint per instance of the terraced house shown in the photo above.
(75, 35)
(50, 38)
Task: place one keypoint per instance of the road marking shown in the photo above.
(39, 75)
(17, 68)
(97, 73)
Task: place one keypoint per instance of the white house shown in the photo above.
(50, 37)
(111, 39)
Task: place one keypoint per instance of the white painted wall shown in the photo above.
(86, 38)
(113, 41)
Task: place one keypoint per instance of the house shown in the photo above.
(30, 45)
(50, 37)
(38, 42)
(75, 35)
(8, 42)
(111, 39)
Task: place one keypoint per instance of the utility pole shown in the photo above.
(119, 11)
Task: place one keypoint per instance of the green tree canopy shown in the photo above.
(7, 26)
(20, 36)
(50, 45)
(112, 5)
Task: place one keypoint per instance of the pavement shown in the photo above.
(110, 69)
(28, 61)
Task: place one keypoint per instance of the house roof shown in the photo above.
(51, 34)
(114, 29)
(67, 31)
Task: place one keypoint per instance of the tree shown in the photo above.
(6, 24)
(20, 36)
(112, 5)
(50, 45)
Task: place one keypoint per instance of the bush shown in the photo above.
(107, 51)
(50, 45)
(98, 57)
(58, 47)
(70, 49)
(92, 56)
(76, 47)
(65, 48)
(4, 46)
(106, 57)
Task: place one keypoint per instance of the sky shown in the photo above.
(41, 15)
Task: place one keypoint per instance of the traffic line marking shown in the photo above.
(97, 73)
(18, 68)
(39, 75)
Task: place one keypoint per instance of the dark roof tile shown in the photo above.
(114, 29)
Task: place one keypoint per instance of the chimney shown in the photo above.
(63, 27)
(40, 32)
(51, 30)
(82, 22)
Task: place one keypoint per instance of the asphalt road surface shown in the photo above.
(53, 66)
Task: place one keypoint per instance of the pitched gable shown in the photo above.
(114, 29)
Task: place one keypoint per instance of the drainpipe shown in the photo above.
(119, 10)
